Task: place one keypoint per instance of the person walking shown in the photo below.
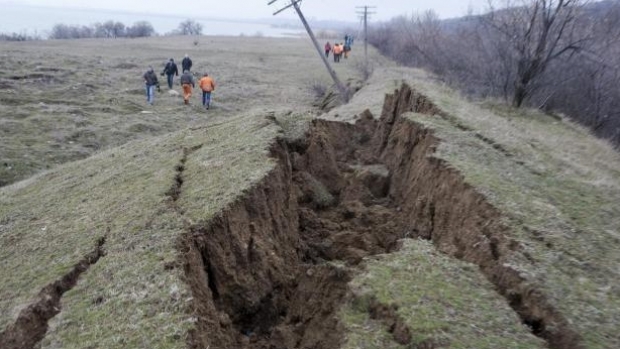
(207, 85)
(187, 82)
(150, 81)
(170, 70)
(186, 63)
(337, 52)
(347, 49)
(328, 49)
(342, 52)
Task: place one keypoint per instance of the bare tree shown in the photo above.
(539, 32)
(190, 27)
(140, 29)
(559, 58)
(109, 29)
(118, 30)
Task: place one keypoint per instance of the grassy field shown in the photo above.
(557, 187)
(128, 299)
(65, 100)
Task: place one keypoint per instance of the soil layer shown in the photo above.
(272, 270)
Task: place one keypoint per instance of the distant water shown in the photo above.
(37, 20)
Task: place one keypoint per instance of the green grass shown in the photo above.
(445, 303)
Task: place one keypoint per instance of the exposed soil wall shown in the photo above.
(459, 220)
(272, 269)
(259, 271)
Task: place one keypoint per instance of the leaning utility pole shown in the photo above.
(364, 15)
(344, 92)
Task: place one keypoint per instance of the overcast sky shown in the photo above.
(319, 9)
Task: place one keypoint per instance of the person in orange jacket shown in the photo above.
(207, 85)
(337, 52)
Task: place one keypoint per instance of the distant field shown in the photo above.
(64, 100)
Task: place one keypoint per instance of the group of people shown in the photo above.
(339, 49)
(206, 83)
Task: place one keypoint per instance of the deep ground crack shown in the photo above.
(175, 190)
(272, 269)
(32, 323)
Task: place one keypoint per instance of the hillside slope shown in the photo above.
(421, 221)
(548, 241)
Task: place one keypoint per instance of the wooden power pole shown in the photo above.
(364, 13)
(344, 92)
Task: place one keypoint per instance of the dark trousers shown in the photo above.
(206, 98)
(170, 79)
(326, 54)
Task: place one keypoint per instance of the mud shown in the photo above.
(272, 270)
(32, 323)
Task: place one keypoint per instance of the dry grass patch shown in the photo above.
(557, 186)
(134, 296)
(444, 303)
(64, 100)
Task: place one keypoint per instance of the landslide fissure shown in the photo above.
(32, 323)
(272, 269)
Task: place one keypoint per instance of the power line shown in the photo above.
(364, 13)
(344, 93)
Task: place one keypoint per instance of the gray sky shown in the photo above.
(318, 9)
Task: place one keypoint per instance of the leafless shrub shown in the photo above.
(108, 29)
(557, 55)
(317, 88)
(190, 27)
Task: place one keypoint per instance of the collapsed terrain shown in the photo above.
(414, 219)
(272, 271)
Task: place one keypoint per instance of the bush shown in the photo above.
(108, 29)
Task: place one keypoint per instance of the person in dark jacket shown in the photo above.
(186, 63)
(150, 80)
(187, 81)
(170, 70)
